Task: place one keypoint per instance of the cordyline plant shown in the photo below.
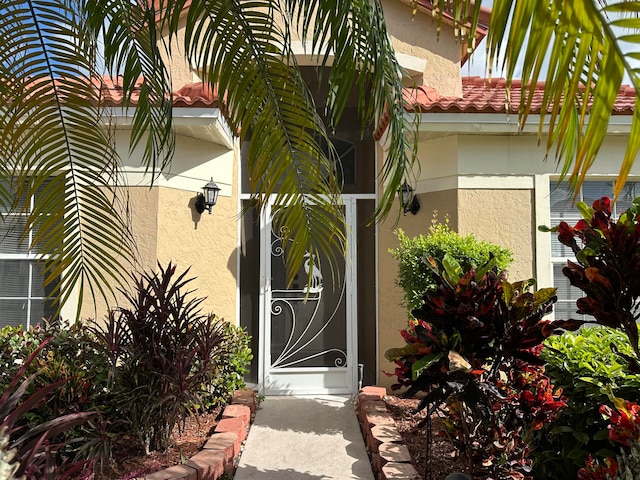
(473, 326)
(608, 263)
(162, 353)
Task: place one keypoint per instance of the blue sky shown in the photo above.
(477, 63)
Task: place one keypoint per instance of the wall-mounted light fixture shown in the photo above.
(209, 198)
(410, 202)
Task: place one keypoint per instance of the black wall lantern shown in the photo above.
(209, 198)
(410, 202)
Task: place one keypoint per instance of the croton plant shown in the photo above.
(608, 261)
(467, 329)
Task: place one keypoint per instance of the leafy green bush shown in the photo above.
(231, 367)
(40, 449)
(67, 358)
(142, 372)
(583, 365)
(414, 275)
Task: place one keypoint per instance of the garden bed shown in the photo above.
(396, 442)
(185, 442)
(444, 457)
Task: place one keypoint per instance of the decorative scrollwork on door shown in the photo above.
(307, 321)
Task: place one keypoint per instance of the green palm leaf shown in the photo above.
(52, 149)
(356, 34)
(244, 47)
(132, 51)
(579, 43)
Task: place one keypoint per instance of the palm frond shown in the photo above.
(240, 47)
(352, 36)
(579, 44)
(53, 150)
(132, 51)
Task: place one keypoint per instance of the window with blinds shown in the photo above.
(562, 209)
(23, 296)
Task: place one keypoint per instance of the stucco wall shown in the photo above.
(417, 35)
(503, 217)
(205, 243)
(166, 228)
(393, 317)
(515, 155)
(143, 204)
(180, 70)
(413, 35)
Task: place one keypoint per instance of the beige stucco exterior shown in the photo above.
(166, 228)
(503, 217)
(492, 184)
(431, 58)
(417, 36)
(392, 317)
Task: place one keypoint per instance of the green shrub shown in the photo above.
(152, 363)
(69, 354)
(38, 448)
(416, 278)
(67, 358)
(231, 367)
(584, 367)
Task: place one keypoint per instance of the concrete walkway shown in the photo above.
(305, 438)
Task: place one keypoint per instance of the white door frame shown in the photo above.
(308, 380)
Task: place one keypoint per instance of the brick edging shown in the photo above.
(390, 459)
(221, 452)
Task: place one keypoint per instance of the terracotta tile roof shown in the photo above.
(481, 95)
(195, 95)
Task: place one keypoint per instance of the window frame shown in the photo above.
(31, 257)
(572, 216)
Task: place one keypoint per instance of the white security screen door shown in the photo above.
(308, 340)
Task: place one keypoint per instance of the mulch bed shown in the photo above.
(128, 464)
(444, 458)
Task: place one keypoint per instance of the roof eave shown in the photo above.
(206, 124)
(439, 124)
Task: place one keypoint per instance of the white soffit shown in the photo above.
(206, 124)
(434, 125)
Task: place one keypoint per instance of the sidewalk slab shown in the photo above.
(305, 438)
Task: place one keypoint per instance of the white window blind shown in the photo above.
(562, 209)
(23, 297)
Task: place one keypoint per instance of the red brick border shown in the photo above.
(390, 459)
(220, 453)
